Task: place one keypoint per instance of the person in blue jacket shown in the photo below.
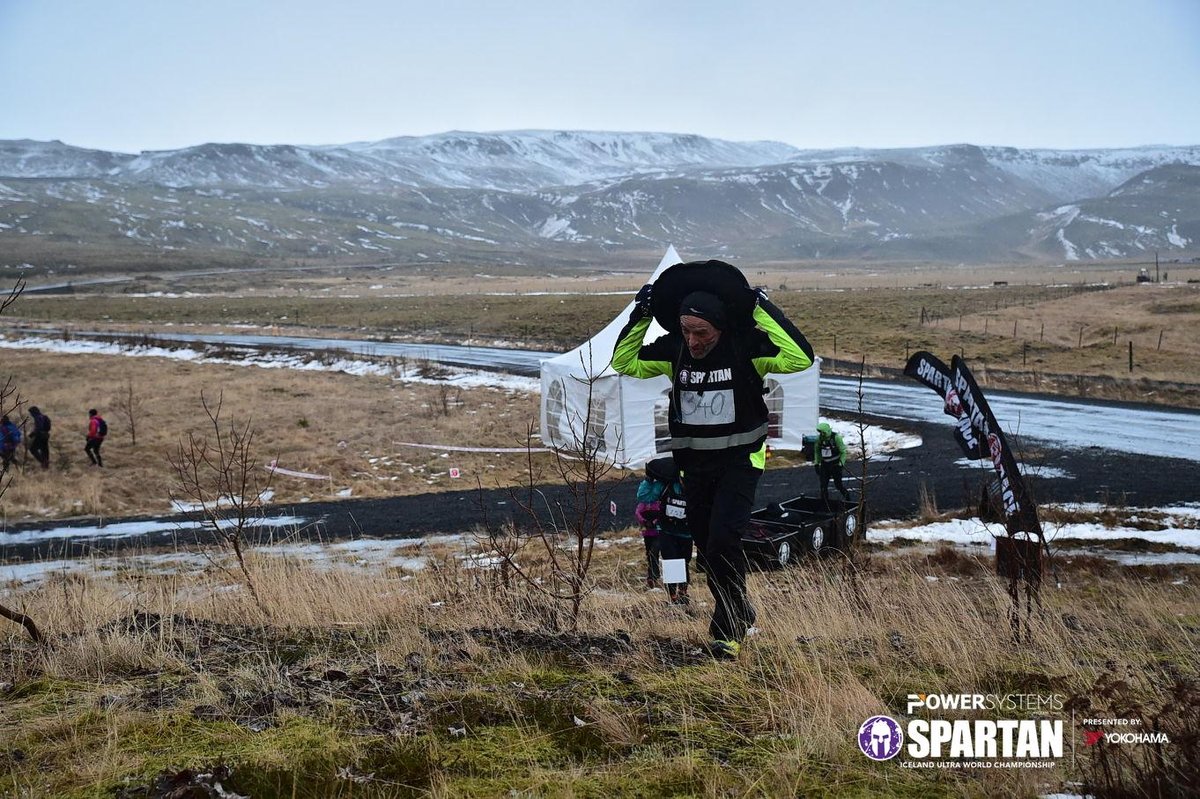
(10, 438)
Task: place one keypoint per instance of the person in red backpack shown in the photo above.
(97, 430)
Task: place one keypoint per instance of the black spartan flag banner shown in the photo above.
(927, 368)
(1020, 513)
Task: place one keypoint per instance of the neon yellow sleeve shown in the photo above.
(633, 359)
(795, 353)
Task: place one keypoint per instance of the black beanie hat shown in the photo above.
(708, 307)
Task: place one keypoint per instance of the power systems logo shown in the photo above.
(1022, 703)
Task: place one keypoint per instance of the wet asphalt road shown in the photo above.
(893, 489)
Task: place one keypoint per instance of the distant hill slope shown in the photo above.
(496, 196)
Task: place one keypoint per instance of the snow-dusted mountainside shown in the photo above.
(533, 159)
(500, 195)
(510, 161)
(1157, 210)
(24, 158)
(1064, 174)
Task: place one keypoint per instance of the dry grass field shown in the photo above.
(1054, 336)
(1035, 323)
(445, 682)
(322, 423)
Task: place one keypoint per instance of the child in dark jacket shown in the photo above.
(662, 511)
(647, 513)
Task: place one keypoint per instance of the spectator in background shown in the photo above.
(97, 430)
(829, 456)
(39, 437)
(648, 512)
(10, 437)
(662, 511)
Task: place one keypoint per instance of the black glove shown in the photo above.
(641, 303)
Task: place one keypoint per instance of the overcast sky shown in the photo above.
(159, 74)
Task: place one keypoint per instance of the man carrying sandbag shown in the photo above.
(722, 338)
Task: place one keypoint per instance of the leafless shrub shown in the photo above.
(547, 545)
(218, 478)
(130, 405)
(449, 398)
(856, 557)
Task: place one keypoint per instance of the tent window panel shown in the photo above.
(662, 429)
(596, 423)
(556, 409)
(774, 400)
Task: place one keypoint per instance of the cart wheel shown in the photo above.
(850, 531)
(784, 553)
(816, 539)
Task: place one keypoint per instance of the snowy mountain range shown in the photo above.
(502, 196)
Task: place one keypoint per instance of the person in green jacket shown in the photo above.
(829, 456)
(718, 424)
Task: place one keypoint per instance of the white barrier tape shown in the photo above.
(306, 475)
(470, 449)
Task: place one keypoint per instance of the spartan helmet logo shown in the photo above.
(880, 737)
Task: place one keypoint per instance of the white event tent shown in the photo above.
(625, 419)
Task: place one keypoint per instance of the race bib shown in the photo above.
(707, 407)
(676, 511)
(826, 452)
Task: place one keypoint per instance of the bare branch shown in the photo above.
(564, 533)
(23, 620)
(217, 475)
(13, 293)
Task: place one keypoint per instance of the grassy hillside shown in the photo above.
(351, 680)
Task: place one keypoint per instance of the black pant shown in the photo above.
(677, 547)
(93, 450)
(719, 500)
(653, 570)
(827, 470)
(39, 448)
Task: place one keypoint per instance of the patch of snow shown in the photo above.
(161, 527)
(878, 439)
(1069, 250)
(1047, 472)
(1179, 529)
(464, 378)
